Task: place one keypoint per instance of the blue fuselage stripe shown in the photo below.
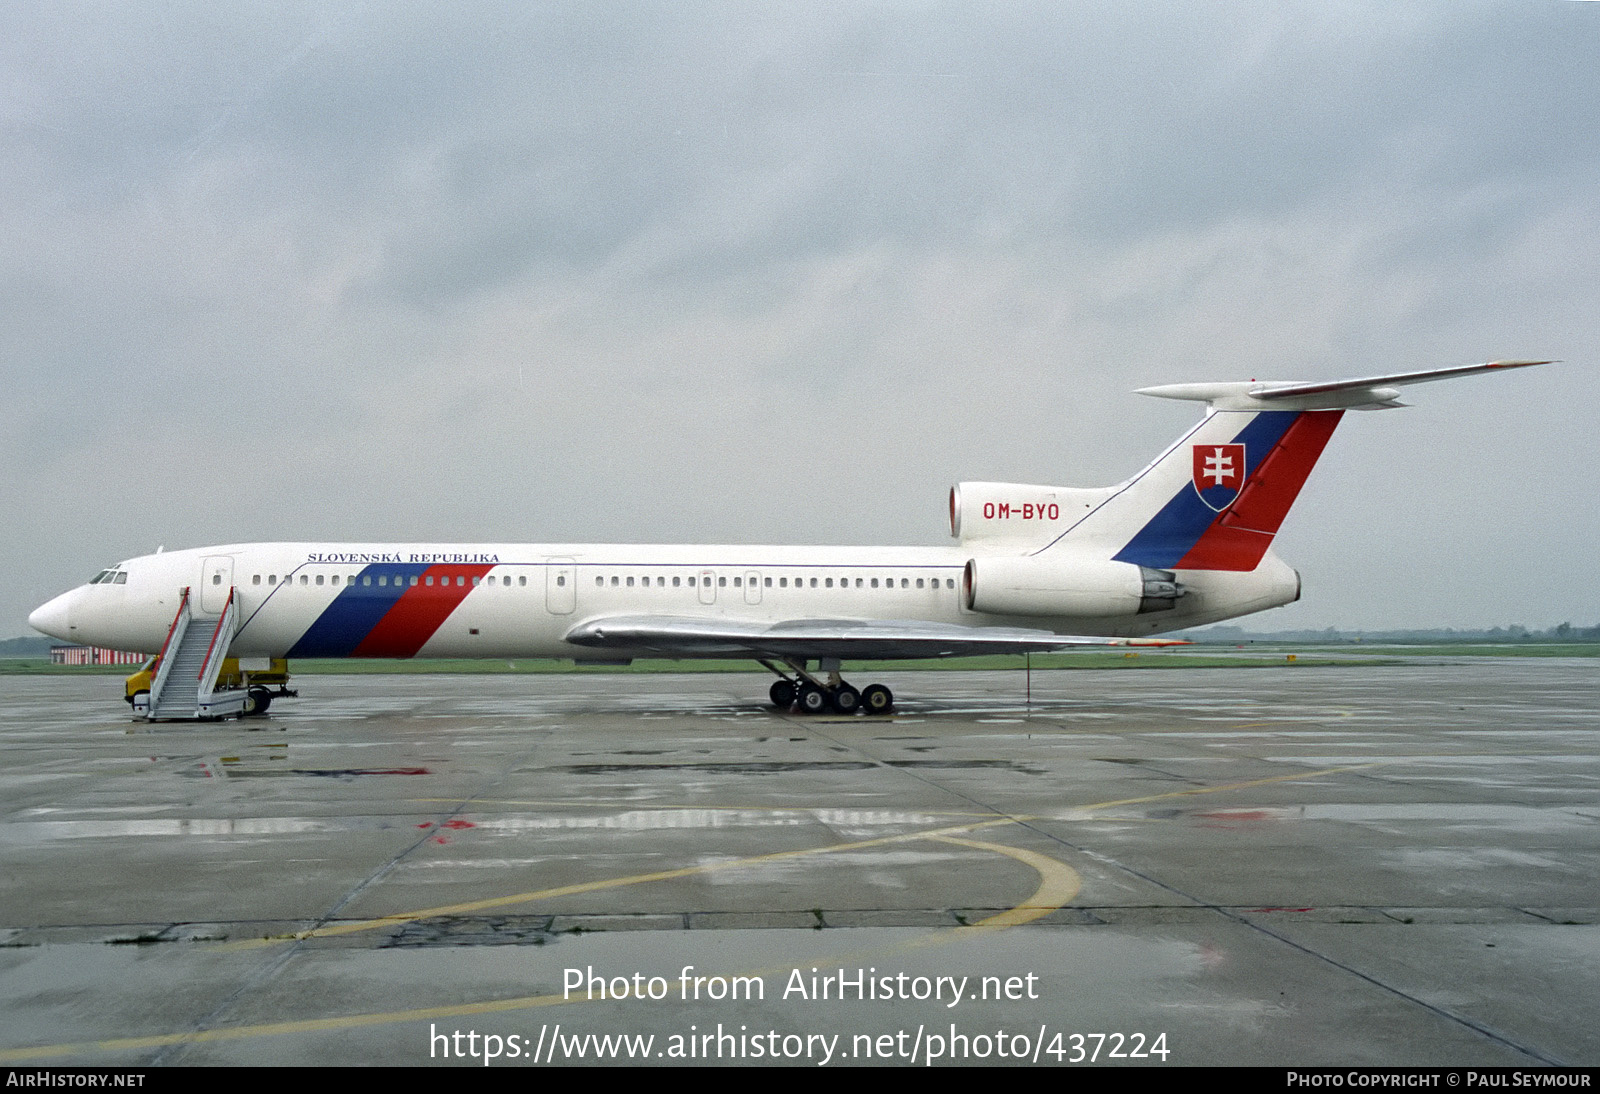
(356, 610)
(1170, 534)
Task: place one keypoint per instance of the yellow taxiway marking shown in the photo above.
(469, 907)
(1059, 885)
(1229, 786)
(607, 883)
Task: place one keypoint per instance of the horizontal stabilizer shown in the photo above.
(1367, 393)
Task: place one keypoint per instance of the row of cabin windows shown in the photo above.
(561, 579)
(783, 582)
(382, 579)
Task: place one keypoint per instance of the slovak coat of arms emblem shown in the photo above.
(1219, 473)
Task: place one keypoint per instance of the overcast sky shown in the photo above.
(783, 272)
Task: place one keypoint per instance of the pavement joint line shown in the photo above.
(277, 962)
(610, 883)
(1057, 881)
(1058, 884)
(731, 864)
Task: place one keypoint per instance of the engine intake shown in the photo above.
(1018, 512)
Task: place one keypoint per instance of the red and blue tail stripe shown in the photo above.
(1281, 447)
(393, 617)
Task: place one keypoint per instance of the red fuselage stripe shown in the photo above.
(420, 611)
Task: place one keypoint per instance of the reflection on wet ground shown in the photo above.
(1303, 865)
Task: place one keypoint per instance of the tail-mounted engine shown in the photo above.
(1064, 585)
(1018, 512)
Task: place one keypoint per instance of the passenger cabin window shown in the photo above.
(255, 579)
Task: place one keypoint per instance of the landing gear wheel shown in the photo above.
(877, 699)
(256, 702)
(813, 700)
(782, 694)
(846, 699)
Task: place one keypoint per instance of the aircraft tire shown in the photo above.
(813, 700)
(877, 699)
(845, 699)
(256, 702)
(782, 694)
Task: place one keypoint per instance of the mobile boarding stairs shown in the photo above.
(185, 685)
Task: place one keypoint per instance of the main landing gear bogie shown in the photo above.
(806, 694)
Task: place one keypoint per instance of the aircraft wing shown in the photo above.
(811, 639)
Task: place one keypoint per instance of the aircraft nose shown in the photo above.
(52, 618)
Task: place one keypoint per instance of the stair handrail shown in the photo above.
(180, 624)
(215, 655)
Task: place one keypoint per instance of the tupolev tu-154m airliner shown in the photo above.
(1186, 541)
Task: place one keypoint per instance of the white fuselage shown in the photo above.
(1184, 542)
(522, 600)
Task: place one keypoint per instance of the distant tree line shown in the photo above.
(1514, 632)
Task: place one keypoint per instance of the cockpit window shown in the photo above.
(99, 577)
(121, 578)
